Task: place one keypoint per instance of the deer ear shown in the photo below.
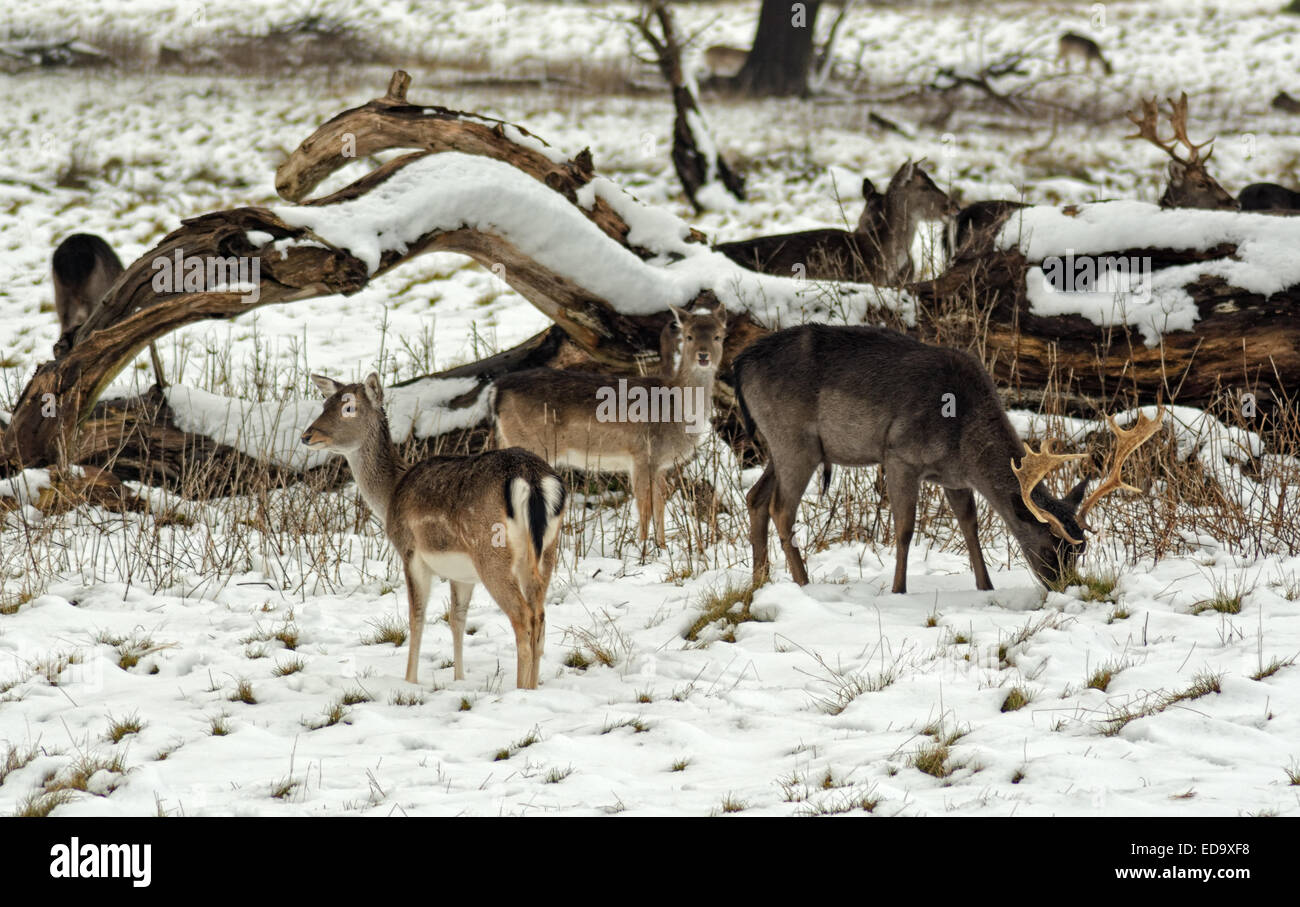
(679, 315)
(1075, 497)
(327, 386)
(374, 390)
(903, 173)
(868, 189)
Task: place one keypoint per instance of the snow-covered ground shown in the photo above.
(822, 704)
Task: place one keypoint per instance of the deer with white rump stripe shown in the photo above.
(493, 518)
(818, 395)
(567, 417)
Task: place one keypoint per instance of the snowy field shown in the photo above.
(236, 649)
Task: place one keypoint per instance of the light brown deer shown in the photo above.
(1071, 46)
(639, 425)
(1190, 184)
(724, 62)
(493, 518)
(818, 395)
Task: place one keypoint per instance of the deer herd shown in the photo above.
(809, 397)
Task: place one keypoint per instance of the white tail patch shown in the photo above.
(523, 560)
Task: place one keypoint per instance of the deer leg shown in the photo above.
(642, 480)
(759, 501)
(501, 582)
(659, 492)
(456, 614)
(902, 484)
(791, 481)
(962, 502)
(419, 580)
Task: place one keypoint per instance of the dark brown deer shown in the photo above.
(493, 518)
(1071, 46)
(879, 251)
(1269, 197)
(1190, 184)
(639, 425)
(84, 267)
(818, 395)
(976, 228)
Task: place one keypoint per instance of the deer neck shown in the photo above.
(890, 228)
(376, 466)
(995, 481)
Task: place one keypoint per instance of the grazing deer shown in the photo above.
(1190, 184)
(492, 518)
(642, 429)
(1285, 103)
(724, 62)
(1071, 46)
(879, 251)
(818, 395)
(1268, 197)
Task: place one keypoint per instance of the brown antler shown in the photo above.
(1034, 467)
(1178, 120)
(1125, 443)
(1148, 127)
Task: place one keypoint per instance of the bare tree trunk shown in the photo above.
(782, 54)
(696, 158)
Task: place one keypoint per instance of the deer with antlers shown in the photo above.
(818, 395)
(1190, 184)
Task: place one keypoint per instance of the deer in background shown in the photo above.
(565, 416)
(1071, 46)
(818, 395)
(724, 62)
(976, 227)
(1190, 184)
(879, 251)
(84, 267)
(491, 518)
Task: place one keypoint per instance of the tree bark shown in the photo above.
(779, 61)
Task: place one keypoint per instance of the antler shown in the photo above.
(1034, 467)
(1178, 120)
(1125, 443)
(1147, 129)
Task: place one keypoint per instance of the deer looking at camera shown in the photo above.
(879, 251)
(1076, 47)
(1190, 184)
(638, 425)
(818, 395)
(493, 518)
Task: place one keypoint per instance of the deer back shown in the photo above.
(84, 267)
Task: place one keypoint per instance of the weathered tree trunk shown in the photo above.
(695, 155)
(782, 53)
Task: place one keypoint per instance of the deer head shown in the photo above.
(1190, 184)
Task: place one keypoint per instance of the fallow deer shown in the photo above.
(724, 62)
(639, 425)
(976, 227)
(1269, 197)
(1190, 184)
(818, 395)
(492, 518)
(1072, 46)
(84, 267)
(879, 251)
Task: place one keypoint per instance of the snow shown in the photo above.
(1263, 260)
(671, 726)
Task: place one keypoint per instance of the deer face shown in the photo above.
(1190, 186)
(1051, 555)
(352, 414)
(703, 330)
